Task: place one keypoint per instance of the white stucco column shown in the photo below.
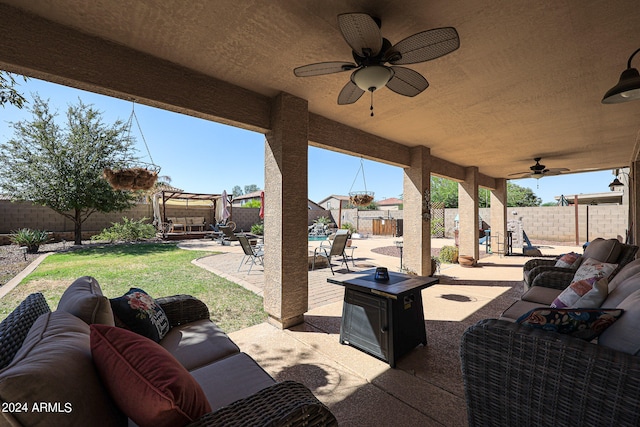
(416, 226)
(285, 215)
(468, 214)
(498, 214)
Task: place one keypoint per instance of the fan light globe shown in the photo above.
(372, 77)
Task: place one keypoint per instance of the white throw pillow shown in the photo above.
(587, 293)
(591, 267)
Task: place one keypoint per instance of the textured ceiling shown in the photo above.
(526, 81)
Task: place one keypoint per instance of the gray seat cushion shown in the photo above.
(519, 308)
(230, 379)
(603, 250)
(541, 295)
(624, 334)
(198, 343)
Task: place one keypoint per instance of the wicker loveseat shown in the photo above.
(517, 375)
(543, 271)
(48, 358)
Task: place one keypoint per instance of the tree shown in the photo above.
(8, 93)
(61, 168)
(250, 188)
(446, 191)
(521, 196)
(236, 191)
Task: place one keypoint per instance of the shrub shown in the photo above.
(448, 254)
(129, 230)
(322, 220)
(32, 239)
(349, 226)
(258, 229)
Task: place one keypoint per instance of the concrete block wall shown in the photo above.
(557, 223)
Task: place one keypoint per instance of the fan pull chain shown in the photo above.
(371, 108)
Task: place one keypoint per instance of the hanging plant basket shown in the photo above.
(361, 198)
(137, 178)
(141, 177)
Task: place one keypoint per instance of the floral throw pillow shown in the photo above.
(140, 313)
(581, 323)
(567, 260)
(587, 293)
(591, 267)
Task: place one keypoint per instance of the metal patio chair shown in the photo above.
(251, 253)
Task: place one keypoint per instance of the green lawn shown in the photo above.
(160, 269)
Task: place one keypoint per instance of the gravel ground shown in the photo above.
(13, 260)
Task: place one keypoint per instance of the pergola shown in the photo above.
(526, 82)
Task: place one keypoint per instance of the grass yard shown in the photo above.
(159, 269)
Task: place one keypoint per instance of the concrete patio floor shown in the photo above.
(425, 388)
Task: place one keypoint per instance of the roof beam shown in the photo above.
(46, 50)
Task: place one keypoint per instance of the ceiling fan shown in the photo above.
(538, 171)
(371, 52)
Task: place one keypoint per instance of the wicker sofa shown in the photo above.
(516, 375)
(544, 272)
(49, 358)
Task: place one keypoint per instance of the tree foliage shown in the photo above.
(250, 188)
(61, 167)
(8, 91)
(446, 191)
(236, 191)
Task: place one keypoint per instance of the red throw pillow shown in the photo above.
(148, 384)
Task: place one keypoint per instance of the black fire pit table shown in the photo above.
(383, 318)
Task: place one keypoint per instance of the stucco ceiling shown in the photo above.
(526, 82)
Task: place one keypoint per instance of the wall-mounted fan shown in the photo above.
(538, 171)
(371, 52)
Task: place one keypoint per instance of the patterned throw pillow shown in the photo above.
(140, 313)
(591, 267)
(567, 260)
(587, 293)
(585, 324)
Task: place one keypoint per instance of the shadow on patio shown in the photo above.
(426, 387)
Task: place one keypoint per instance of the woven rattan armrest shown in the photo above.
(536, 262)
(556, 277)
(181, 309)
(284, 404)
(516, 375)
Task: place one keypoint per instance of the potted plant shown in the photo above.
(31, 239)
(352, 230)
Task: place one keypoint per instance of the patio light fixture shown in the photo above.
(372, 78)
(628, 88)
(615, 184)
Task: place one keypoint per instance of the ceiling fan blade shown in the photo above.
(559, 170)
(361, 32)
(323, 68)
(349, 94)
(522, 174)
(425, 46)
(407, 82)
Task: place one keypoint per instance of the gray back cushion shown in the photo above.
(84, 299)
(603, 250)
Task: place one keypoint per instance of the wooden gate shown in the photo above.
(384, 227)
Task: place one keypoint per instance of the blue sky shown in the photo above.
(207, 157)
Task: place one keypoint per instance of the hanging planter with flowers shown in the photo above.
(142, 176)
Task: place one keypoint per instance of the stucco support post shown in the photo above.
(468, 214)
(634, 202)
(416, 227)
(498, 212)
(285, 218)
